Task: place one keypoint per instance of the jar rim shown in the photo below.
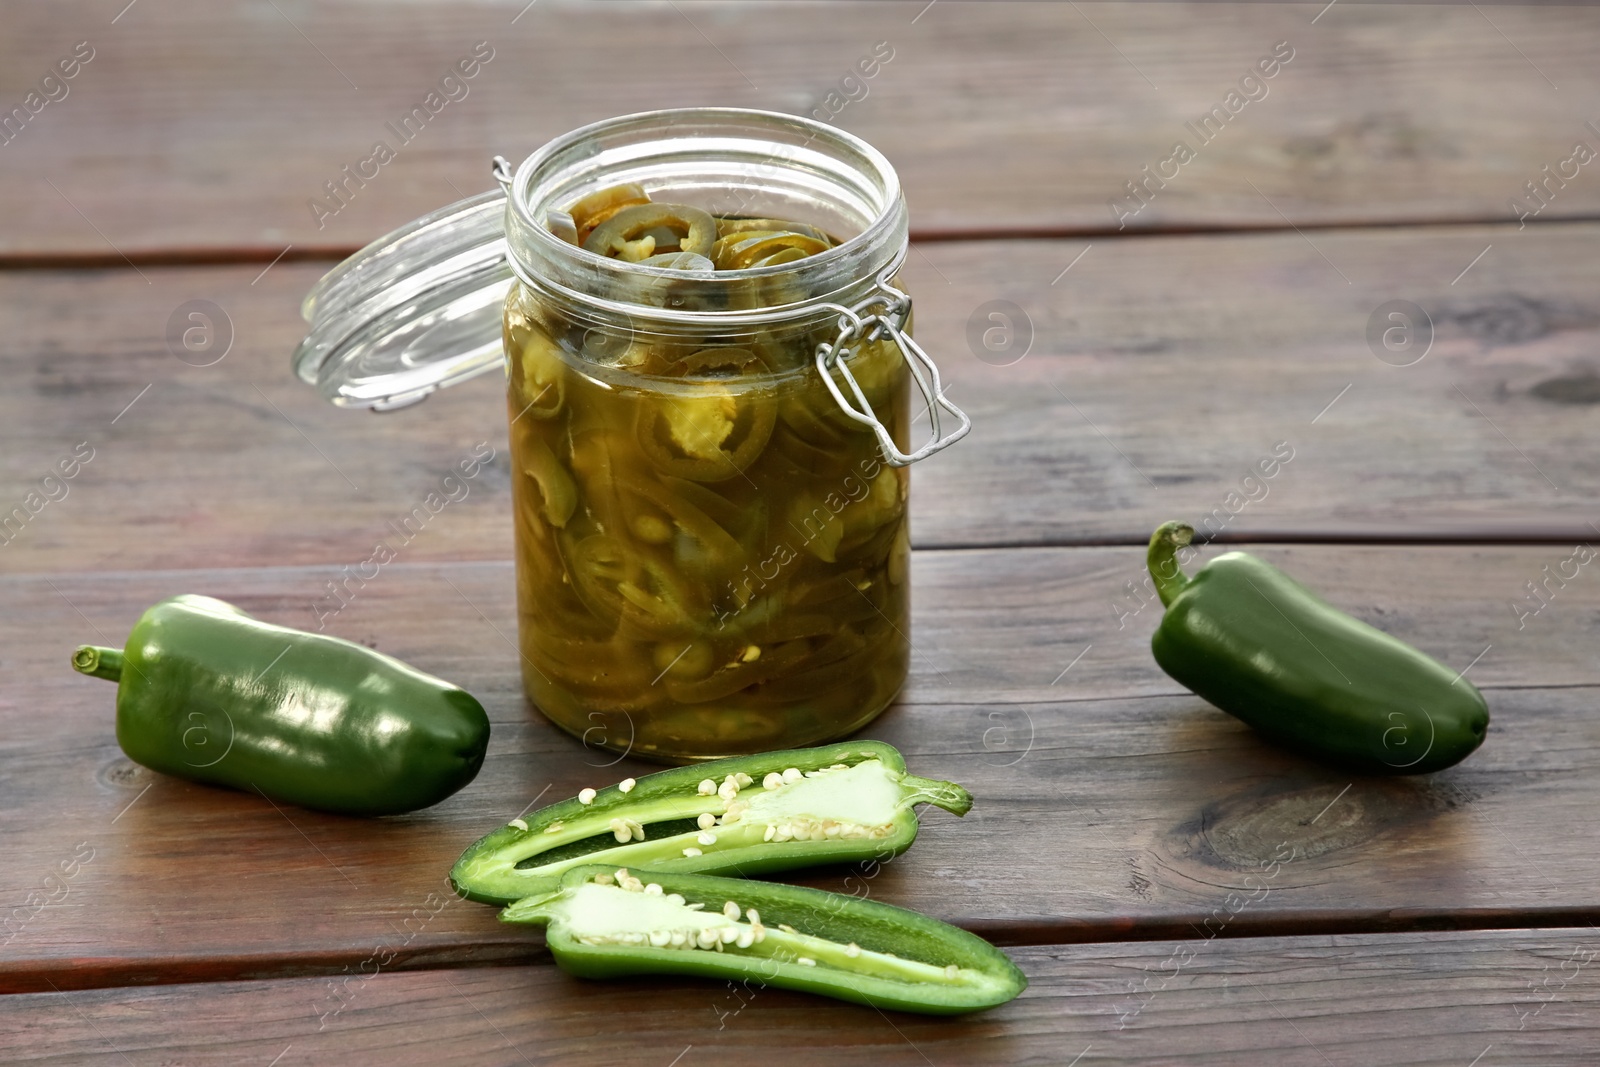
(523, 224)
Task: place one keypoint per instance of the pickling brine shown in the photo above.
(712, 556)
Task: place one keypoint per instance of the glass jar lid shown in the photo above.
(415, 310)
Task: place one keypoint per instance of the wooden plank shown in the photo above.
(1504, 997)
(1162, 372)
(1110, 805)
(201, 128)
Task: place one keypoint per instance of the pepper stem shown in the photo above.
(100, 662)
(1162, 559)
(947, 795)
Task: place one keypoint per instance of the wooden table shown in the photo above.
(1161, 352)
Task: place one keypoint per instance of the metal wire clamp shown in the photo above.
(861, 322)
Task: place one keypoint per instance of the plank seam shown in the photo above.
(242, 255)
(81, 973)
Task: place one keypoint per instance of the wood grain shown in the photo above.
(1146, 378)
(1111, 805)
(201, 128)
(1505, 997)
(1162, 371)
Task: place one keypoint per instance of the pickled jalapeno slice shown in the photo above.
(708, 435)
(562, 225)
(679, 261)
(721, 361)
(622, 222)
(781, 257)
(595, 208)
(660, 516)
(638, 232)
(556, 487)
(740, 251)
(729, 226)
(657, 603)
(598, 564)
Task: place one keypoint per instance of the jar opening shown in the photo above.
(729, 162)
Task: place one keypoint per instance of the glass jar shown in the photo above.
(708, 467)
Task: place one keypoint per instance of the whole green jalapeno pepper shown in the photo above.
(208, 693)
(605, 922)
(769, 812)
(1267, 650)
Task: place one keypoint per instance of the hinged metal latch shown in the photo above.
(885, 313)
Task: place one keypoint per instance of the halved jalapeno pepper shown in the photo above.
(606, 922)
(769, 812)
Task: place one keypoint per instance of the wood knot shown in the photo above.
(1310, 822)
(1506, 319)
(1248, 831)
(1578, 389)
(123, 773)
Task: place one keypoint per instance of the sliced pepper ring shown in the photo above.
(600, 205)
(635, 232)
(722, 683)
(598, 564)
(562, 225)
(706, 361)
(725, 227)
(739, 251)
(710, 433)
(718, 555)
(656, 603)
(689, 261)
(558, 492)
